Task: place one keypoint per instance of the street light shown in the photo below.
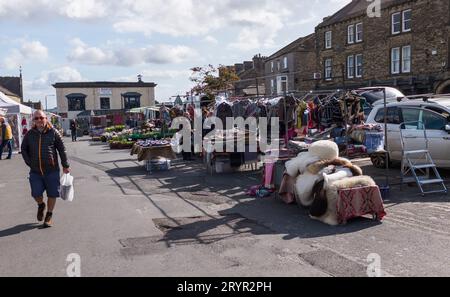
(46, 106)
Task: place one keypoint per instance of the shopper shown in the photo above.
(6, 138)
(40, 149)
(73, 129)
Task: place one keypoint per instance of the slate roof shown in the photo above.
(356, 8)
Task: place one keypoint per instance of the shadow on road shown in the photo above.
(18, 229)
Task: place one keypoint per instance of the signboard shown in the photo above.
(105, 92)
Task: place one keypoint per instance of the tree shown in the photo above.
(210, 80)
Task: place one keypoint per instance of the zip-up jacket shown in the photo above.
(40, 150)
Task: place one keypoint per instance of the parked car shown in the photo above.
(375, 95)
(433, 115)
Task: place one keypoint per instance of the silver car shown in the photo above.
(435, 116)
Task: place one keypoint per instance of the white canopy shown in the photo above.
(12, 106)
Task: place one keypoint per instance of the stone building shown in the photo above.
(292, 68)
(251, 74)
(102, 97)
(407, 47)
(12, 87)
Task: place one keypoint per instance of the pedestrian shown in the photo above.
(6, 138)
(40, 149)
(73, 129)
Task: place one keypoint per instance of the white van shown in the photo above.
(435, 116)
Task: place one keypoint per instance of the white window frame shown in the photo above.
(278, 65)
(404, 21)
(351, 66)
(328, 69)
(272, 66)
(396, 62)
(285, 62)
(359, 66)
(393, 23)
(328, 39)
(404, 60)
(272, 86)
(351, 34)
(361, 31)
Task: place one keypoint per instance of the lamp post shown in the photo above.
(46, 106)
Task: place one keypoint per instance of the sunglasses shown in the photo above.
(39, 118)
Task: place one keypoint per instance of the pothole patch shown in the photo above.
(202, 230)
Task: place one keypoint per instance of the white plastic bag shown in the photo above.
(67, 191)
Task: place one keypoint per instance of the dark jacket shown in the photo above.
(73, 126)
(40, 150)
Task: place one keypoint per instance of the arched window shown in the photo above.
(76, 102)
(132, 100)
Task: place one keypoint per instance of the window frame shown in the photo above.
(356, 32)
(272, 66)
(328, 67)
(398, 61)
(351, 33)
(351, 68)
(285, 63)
(359, 66)
(328, 39)
(101, 103)
(403, 58)
(393, 23)
(404, 22)
(440, 116)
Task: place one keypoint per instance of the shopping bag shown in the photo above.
(67, 191)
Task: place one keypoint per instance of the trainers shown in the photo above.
(48, 220)
(40, 214)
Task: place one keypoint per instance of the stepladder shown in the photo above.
(418, 165)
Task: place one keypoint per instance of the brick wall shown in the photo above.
(429, 39)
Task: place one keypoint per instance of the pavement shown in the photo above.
(187, 223)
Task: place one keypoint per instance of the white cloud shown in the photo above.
(61, 74)
(157, 75)
(211, 40)
(128, 56)
(257, 22)
(30, 51)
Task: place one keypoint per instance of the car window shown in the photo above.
(433, 121)
(440, 111)
(411, 116)
(393, 116)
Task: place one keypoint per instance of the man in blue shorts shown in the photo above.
(40, 149)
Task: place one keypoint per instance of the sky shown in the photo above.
(116, 40)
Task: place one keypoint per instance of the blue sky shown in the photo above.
(110, 40)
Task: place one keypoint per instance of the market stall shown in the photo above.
(18, 116)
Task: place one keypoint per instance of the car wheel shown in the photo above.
(379, 160)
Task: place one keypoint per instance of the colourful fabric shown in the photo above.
(357, 202)
(268, 175)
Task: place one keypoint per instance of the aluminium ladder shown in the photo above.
(415, 162)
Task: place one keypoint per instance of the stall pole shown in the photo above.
(385, 189)
(286, 123)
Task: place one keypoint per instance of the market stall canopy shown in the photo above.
(12, 106)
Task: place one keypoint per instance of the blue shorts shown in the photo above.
(49, 183)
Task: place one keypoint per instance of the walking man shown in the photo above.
(73, 129)
(6, 138)
(40, 149)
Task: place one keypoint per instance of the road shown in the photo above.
(124, 222)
